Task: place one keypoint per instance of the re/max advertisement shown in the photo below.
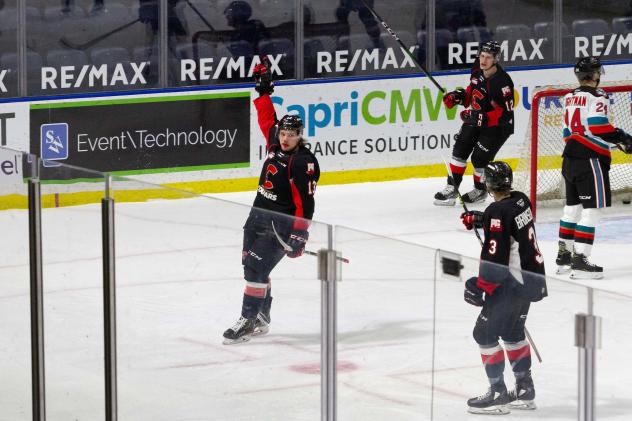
(143, 135)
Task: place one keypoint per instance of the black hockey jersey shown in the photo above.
(493, 96)
(511, 244)
(288, 180)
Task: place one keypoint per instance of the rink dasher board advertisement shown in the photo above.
(369, 130)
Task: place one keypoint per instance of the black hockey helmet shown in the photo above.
(490, 47)
(291, 122)
(238, 11)
(498, 176)
(586, 67)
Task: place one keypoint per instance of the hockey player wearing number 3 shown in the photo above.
(511, 276)
(286, 185)
(488, 121)
(589, 136)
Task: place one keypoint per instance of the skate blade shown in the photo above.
(240, 340)
(523, 405)
(260, 331)
(492, 410)
(563, 270)
(578, 274)
(448, 202)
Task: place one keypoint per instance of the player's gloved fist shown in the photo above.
(626, 144)
(474, 118)
(263, 77)
(454, 98)
(472, 219)
(297, 241)
(473, 294)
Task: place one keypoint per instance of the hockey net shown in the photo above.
(539, 170)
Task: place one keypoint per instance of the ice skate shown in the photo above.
(262, 325)
(563, 260)
(241, 331)
(475, 195)
(494, 402)
(581, 268)
(446, 197)
(523, 396)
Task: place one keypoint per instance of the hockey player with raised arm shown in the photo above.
(511, 276)
(286, 185)
(488, 121)
(589, 136)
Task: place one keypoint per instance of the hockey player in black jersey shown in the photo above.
(488, 121)
(589, 136)
(511, 276)
(286, 185)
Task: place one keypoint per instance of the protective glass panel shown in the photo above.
(345, 38)
(602, 29)
(385, 328)
(461, 327)
(91, 46)
(181, 284)
(73, 290)
(15, 364)
(8, 49)
(222, 41)
(612, 389)
(522, 29)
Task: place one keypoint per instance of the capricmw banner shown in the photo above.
(148, 134)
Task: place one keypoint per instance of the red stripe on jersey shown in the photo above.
(456, 169)
(299, 224)
(590, 145)
(519, 353)
(468, 96)
(488, 287)
(601, 128)
(588, 235)
(495, 358)
(567, 231)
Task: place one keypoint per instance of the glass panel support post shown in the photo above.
(587, 340)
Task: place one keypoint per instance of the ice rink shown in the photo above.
(405, 348)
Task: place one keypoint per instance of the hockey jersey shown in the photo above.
(510, 256)
(587, 131)
(494, 96)
(288, 179)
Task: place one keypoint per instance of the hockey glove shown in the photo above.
(473, 294)
(472, 219)
(263, 77)
(297, 240)
(626, 143)
(474, 118)
(454, 98)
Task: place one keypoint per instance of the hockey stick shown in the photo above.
(456, 189)
(67, 43)
(197, 12)
(406, 50)
(287, 247)
(480, 240)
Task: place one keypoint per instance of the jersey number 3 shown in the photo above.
(270, 170)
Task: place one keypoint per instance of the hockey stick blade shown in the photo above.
(287, 247)
(75, 46)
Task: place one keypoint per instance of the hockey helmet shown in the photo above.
(490, 47)
(291, 122)
(586, 67)
(238, 11)
(498, 176)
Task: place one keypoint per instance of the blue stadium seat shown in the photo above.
(547, 30)
(622, 25)
(187, 50)
(277, 46)
(590, 27)
(109, 55)
(473, 34)
(406, 37)
(59, 58)
(355, 42)
(512, 32)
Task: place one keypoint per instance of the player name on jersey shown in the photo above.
(575, 101)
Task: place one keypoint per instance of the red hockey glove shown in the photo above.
(263, 77)
(297, 240)
(472, 219)
(454, 98)
(473, 294)
(474, 118)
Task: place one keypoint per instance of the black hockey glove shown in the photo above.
(472, 219)
(454, 98)
(625, 144)
(263, 77)
(474, 118)
(297, 240)
(473, 294)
